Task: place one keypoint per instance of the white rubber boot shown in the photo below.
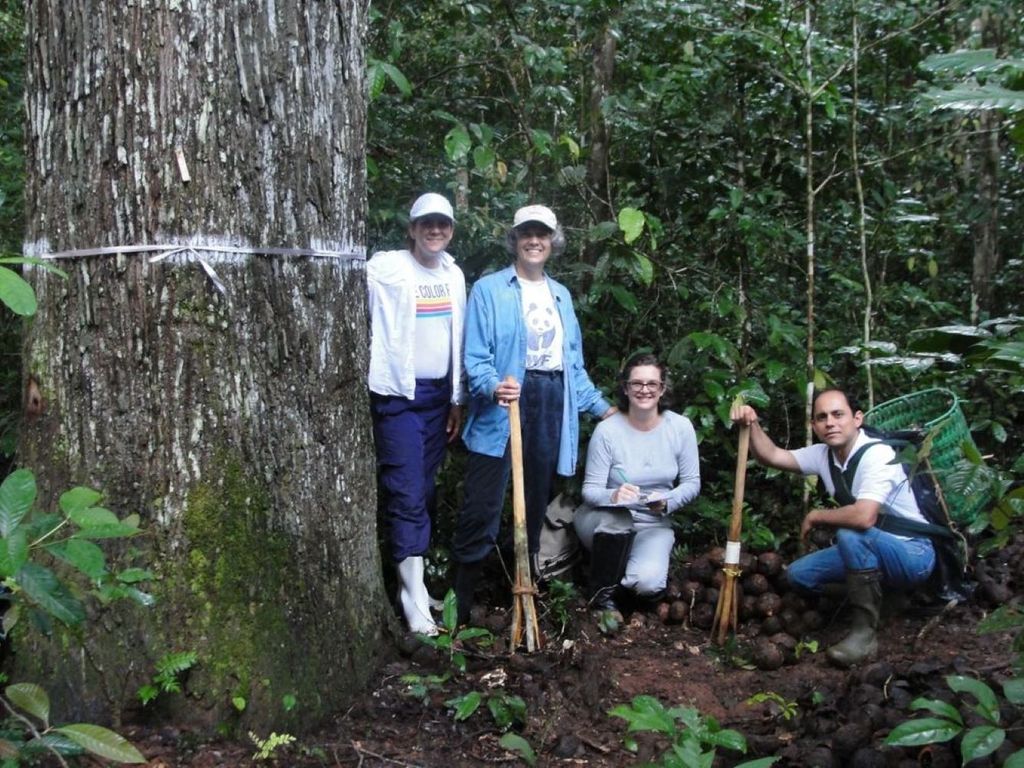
(412, 595)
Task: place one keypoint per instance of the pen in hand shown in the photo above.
(626, 485)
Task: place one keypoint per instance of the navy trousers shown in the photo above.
(540, 413)
(410, 438)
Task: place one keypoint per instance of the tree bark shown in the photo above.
(986, 226)
(233, 421)
(602, 72)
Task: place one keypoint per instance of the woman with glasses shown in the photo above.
(642, 467)
(417, 299)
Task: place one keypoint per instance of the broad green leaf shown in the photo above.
(483, 157)
(971, 98)
(465, 705)
(43, 588)
(727, 738)
(457, 144)
(926, 730)
(13, 553)
(395, 76)
(83, 555)
(11, 616)
(987, 702)
(645, 713)
(643, 268)
(624, 297)
(938, 707)
(43, 264)
(103, 742)
(78, 498)
(968, 62)
(631, 222)
(30, 698)
(93, 517)
(17, 494)
(134, 575)
(1014, 690)
(53, 742)
(107, 531)
(472, 633)
(981, 741)
(513, 742)
(16, 293)
(735, 197)
(239, 703)
(507, 710)
(1016, 760)
(450, 611)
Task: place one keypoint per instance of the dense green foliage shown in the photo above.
(695, 243)
(32, 541)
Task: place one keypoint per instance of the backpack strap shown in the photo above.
(842, 480)
(901, 526)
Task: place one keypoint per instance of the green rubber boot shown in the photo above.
(864, 591)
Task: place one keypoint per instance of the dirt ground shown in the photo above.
(811, 713)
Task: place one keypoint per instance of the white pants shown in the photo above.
(647, 568)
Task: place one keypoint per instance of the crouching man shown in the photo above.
(863, 556)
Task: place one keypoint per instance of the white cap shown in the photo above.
(431, 203)
(539, 213)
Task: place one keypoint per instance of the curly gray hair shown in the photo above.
(557, 241)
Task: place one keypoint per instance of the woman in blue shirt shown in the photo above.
(523, 342)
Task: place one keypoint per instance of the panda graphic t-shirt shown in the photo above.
(433, 349)
(543, 327)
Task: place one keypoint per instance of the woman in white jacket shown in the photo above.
(417, 300)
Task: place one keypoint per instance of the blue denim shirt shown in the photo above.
(496, 347)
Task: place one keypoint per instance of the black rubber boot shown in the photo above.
(864, 591)
(608, 559)
(466, 576)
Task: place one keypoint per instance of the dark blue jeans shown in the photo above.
(540, 413)
(410, 438)
(904, 563)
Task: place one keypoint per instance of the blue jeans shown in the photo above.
(904, 563)
(411, 437)
(540, 415)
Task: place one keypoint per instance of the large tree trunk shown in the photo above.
(234, 422)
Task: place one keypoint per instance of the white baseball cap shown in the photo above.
(431, 203)
(539, 213)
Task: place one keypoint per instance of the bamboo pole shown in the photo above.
(727, 610)
(524, 612)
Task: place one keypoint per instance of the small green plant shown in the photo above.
(513, 742)
(977, 741)
(787, 708)
(559, 601)
(693, 738)
(450, 639)
(30, 540)
(168, 670)
(420, 686)
(806, 646)
(506, 709)
(265, 748)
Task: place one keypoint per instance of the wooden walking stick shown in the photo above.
(727, 610)
(524, 612)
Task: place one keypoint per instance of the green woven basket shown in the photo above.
(937, 411)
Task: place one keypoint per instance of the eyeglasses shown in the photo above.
(640, 386)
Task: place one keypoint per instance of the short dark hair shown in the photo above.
(635, 361)
(851, 400)
(557, 241)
